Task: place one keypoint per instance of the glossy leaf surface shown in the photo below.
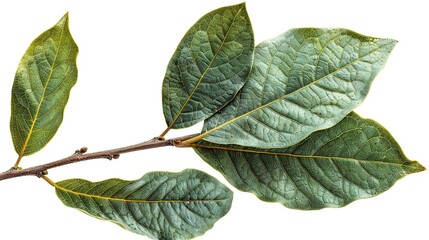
(357, 158)
(208, 67)
(43, 80)
(302, 81)
(160, 205)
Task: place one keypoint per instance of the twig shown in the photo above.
(81, 155)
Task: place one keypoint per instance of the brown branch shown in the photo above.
(81, 155)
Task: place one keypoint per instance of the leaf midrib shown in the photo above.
(201, 136)
(24, 147)
(69, 191)
(347, 159)
(204, 73)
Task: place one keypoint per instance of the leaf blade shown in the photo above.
(355, 159)
(209, 66)
(43, 80)
(159, 205)
(302, 81)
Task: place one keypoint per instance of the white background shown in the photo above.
(124, 49)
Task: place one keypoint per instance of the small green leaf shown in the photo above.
(43, 80)
(209, 66)
(302, 81)
(159, 205)
(357, 158)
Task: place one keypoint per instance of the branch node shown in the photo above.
(173, 142)
(15, 169)
(112, 156)
(177, 143)
(42, 173)
(160, 138)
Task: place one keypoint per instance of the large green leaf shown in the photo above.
(43, 81)
(209, 66)
(159, 205)
(302, 81)
(357, 158)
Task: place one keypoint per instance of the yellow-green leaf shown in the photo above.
(160, 205)
(43, 80)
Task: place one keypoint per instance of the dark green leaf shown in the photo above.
(302, 81)
(357, 158)
(209, 66)
(43, 81)
(160, 205)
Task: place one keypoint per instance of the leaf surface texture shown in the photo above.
(208, 67)
(357, 158)
(301, 81)
(160, 205)
(43, 80)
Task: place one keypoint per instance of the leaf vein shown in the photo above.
(204, 73)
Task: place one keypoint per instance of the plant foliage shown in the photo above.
(357, 158)
(301, 81)
(278, 122)
(160, 205)
(209, 66)
(43, 80)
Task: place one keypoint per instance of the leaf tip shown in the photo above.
(241, 6)
(394, 41)
(64, 20)
(66, 16)
(413, 167)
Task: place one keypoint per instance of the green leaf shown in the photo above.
(160, 205)
(302, 81)
(43, 81)
(208, 67)
(357, 158)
